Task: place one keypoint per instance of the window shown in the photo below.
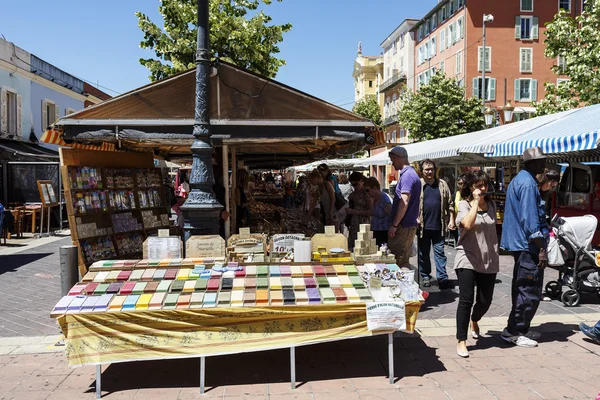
(402, 64)
(527, 5)
(488, 59)
(49, 113)
(433, 47)
(451, 35)
(459, 62)
(442, 14)
(526, 28)
(370, 84)
(389, 137)
(561, 80)
(564, 5)
(442, 67)
(11, 116)
(402, 38)
(561, 61)
(526, 63)
(442, 40)
(525, 90)
(490, 88)
(420, 55)
(433, 22)
(460, 29)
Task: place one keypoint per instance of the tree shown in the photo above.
(439, 109)
(368, 107)
(577, 43)
(248, 42)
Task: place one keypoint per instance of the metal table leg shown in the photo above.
(293, 366)
(98, 381)
(202, 373)
(391, 356)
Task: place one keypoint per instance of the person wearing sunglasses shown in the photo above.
(381, 216)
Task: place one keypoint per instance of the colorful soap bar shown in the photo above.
(196, 301)
(189, 286)
(163, 286)
(237, 298)
(89, 288)
(362, 269)
(262, 297)
(148, 274)
(143, 302)
(62, 304)
(213, 284)
(262, 270)
(334, 281)
(288, 297)
(76, 304)
(229, 274)
(357, 282)
(101, 289)
(241, 273)
(351, 269)
(139, 288)
(274, 270)
(124, 275)
(183, 274)
(194, 274)
(101, 276)
(329, 270)
(251, 271)
(262, 283)
(301, 297)
(171, 274)
(285, 270)
(112, 276)
(117, 303)
(143, 263)
(238, 283)
(127, 287)
(210, 300)
(207, 273)
(314, 297)
(345, 281)
(224, 298)
(310, 282)
(103, 302)
(298, 283)
(287, 282)
(364, 294)
(276, 297)
(275, 283)
(393, 267)
(307, 271)
(171, 301)
(340, 269)
(89, 277)
(77, 289)
(327, 295)
(201, 284)
(159, 274)
(340, 294)
(156, 301)
(322, 281)
(130, 302)
(136, 274)
(226, 283)
(89, 304)
(250, 283)
(296, 271)
(319, 270)
(151, 287)
(184, 300)
(249, 297)
(352, 295)
(176, 286)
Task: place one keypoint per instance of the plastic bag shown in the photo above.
(414, 250)
(555, 256)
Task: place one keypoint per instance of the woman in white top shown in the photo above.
(477, 260)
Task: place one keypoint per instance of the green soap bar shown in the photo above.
(139, 288)
(322, 281)
(357, 282)
(364, 294)
(201, 284)
(136, 275)
(163, 286)
(177, 286)
(193, 275)
(287, 283)
(171, 299)
(101, 288)
(262, 270)
(154, 263)
(351, 269)
(327, 294)
(262, 283)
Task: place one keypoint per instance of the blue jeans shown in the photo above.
(437, 239)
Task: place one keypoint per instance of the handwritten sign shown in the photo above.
(205, 246)
(386, 316)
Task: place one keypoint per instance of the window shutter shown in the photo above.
(534, 28)
(44, 115)
(434, 46)
(476, 87)
(493, 89)
(442, 41)
(517, 90)
(462, 27)
(480, 60)
(56, 114)
(19, 115)
(534, 90)
(518, 27)
(3, 111)
(448, 38)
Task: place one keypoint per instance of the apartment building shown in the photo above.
(367, 74)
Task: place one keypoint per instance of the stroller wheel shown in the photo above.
(553, 289)
(571, 298)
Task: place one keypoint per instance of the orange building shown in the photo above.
(450, 38)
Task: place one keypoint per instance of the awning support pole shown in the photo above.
(234, 226)
(225, 167)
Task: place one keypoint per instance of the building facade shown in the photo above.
(368, 75)
(449, 38)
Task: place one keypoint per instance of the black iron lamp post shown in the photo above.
(201, 210)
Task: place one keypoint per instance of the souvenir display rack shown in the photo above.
(113, 202)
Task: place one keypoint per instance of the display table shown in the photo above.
(150, 310)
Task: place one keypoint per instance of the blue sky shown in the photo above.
(99, 40)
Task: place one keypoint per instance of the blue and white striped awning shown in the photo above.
(552, 145)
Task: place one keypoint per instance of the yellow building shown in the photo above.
(367, 74)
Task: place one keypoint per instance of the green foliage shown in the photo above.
(439, 109)
(578, 41)
(368, 107)
(248, 42)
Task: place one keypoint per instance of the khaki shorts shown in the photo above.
(401, 244)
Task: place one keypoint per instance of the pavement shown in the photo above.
(563, 366)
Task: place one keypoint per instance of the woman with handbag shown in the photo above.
(360, 208)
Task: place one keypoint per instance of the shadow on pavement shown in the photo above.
(550, 332)
(357, 358)
(13, 261)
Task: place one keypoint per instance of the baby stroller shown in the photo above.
(578, 272)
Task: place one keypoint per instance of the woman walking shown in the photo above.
(360, 207)
(477, 259)
(381, 217)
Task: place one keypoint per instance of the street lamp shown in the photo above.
(508, 111)
(489, 116)
(486, 18)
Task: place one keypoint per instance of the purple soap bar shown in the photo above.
(63, 303)
(285, 270)
(89, 304)
(310, 282)
(114, 287)
(313, 296)
(102, 303)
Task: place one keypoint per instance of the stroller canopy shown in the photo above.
(579, 230)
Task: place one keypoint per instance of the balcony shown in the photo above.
(394, 80)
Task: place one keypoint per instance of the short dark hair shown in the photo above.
(471, 179)
(372, 182)
(356, 177)
(428, 161)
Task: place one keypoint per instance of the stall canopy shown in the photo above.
(265, 120)
(336, 163)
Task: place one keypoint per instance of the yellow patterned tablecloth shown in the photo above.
(100, 338)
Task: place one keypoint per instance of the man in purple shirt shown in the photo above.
(405, 209)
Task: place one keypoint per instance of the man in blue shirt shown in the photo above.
(525, 234)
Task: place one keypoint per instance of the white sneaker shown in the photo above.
(521, 341)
